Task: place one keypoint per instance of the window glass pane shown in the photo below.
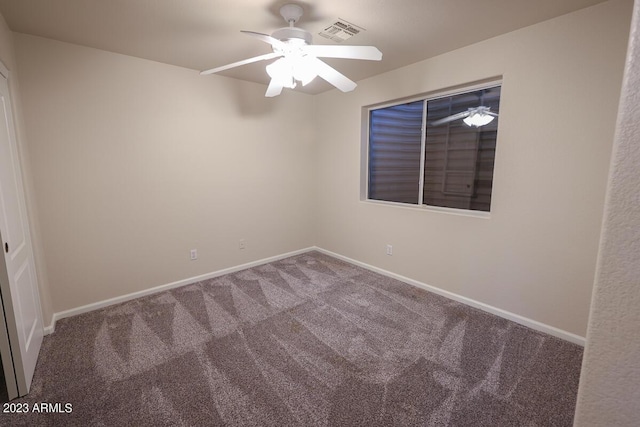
(458, 168)
(395, 140)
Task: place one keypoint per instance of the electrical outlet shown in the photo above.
(194, 254)
(389, 250)
(241, 244)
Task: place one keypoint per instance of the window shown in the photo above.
(425, 153)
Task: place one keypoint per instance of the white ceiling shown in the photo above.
(202, 34)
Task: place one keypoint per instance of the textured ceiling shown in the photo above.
(202, 34)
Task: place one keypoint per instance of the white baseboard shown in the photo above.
(530, 323)
(533, 324)
(50, 328)
(128, 297)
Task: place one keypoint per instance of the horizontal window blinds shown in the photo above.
(458, 166)
(395, 141)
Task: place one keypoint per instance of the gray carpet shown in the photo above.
(305, 341)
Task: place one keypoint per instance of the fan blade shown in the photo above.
(450, 118)
(243, 62)
(369, 53)
(333, 76)
(274, 89)
(265, 38)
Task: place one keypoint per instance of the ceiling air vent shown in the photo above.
(340, 31)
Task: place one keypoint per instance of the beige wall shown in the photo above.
(7, 56)
(535, 256)
(133, 163)
(609, 392)
(137, 162)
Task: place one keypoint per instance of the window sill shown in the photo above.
(427, 208)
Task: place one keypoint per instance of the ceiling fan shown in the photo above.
(298, 58)
(478, 116)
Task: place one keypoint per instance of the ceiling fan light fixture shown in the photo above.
(282, 72)
(479, 116)
(478, 119)
(303, 70)
(290, 69)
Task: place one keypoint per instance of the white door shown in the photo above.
(22, 306)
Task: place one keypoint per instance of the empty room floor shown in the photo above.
(304, 341)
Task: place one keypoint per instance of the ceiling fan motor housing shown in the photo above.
(292, 33)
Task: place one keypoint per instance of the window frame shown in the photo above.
(425, 97)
